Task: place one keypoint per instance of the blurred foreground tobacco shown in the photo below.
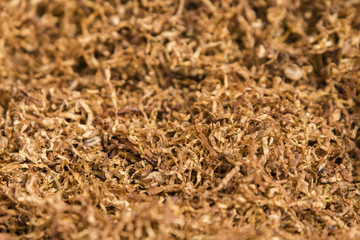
(188, 119)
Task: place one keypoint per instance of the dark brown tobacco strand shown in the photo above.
(188, 119)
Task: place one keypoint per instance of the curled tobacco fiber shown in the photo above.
(186, 119)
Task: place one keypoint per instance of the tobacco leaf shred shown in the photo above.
(188, 119)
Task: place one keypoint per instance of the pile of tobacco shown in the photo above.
(180, 119)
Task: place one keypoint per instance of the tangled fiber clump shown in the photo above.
(189, 119)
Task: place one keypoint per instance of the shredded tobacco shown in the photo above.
(187, 119)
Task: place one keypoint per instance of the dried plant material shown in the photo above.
(3, 142)
(189, 119)
(293, 72)
(92, 141)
